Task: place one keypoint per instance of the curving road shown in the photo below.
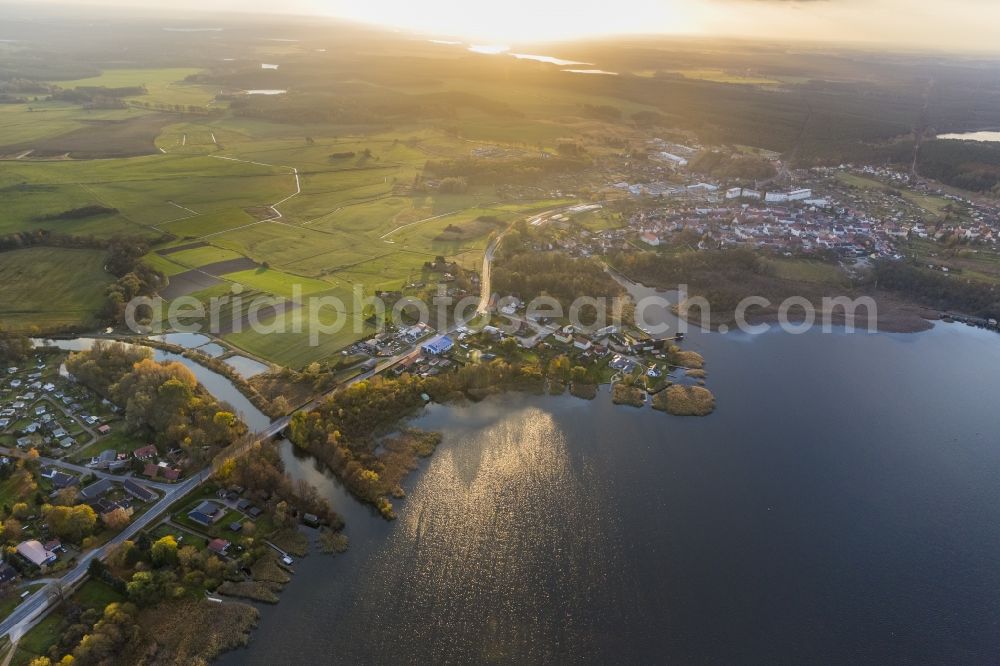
(31, 609)
(34, 607)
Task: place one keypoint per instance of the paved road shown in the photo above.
(81, 469)
(32, 608)
(23, 617)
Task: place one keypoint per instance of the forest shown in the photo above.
(524, 170)
(744, 169)
(528, 274)
(938, 290)
(162, 401)
(724, 278)
(968, 165)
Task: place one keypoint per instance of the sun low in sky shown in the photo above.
(932, 24)
(921, 24)
(510, 21)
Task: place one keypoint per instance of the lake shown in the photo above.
(591, 71)
(841, 505)
(549, 59)
(972, 136)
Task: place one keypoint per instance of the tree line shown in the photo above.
(133, 276)
(523, 170)
(937, 290)
(162, 401)
(556, 274)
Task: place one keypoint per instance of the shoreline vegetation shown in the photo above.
(249, 391)
(726, 277)
(350, 431)
(128, 175)
(685, 400)
(623, 394)
(154, 608)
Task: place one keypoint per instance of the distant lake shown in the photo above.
(972, 136)
(591, 71)
(549, 59)
(489, 49)
(840, 506)
(266, 92)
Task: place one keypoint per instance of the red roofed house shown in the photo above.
(145, 453)
(218, 546)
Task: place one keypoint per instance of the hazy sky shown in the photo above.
(955, 24)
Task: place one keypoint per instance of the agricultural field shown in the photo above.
(51, 287)
(271, 206)
(967, 262)
(804, 270)
(163, 85)
(934, 206)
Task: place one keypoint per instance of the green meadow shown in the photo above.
(51, 287)
(226, 185)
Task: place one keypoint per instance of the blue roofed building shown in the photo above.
(207, 513)
(439, 345)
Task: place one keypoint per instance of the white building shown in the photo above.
(35, 552)
(664, 156)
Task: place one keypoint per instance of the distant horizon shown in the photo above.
(845, 23)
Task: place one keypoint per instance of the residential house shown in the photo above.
(564, 335)
(147, 452)
(207, 513)
(96, 490)
(33, 551)
(58, 479)
(649, 238)
(218, 546)
(105, 458)
(138, 491)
